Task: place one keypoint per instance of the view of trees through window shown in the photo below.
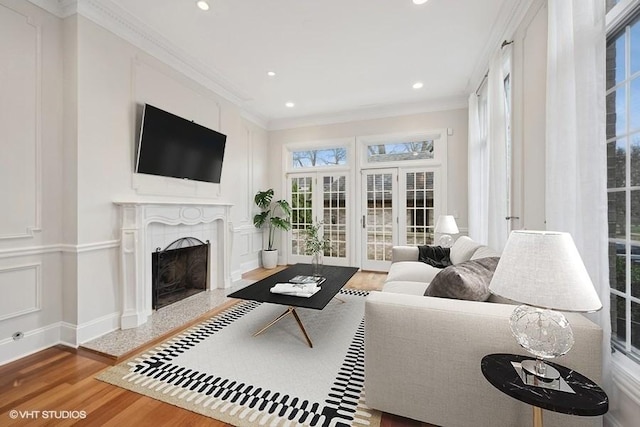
(322, 157)
(393, 152)
(623, 185)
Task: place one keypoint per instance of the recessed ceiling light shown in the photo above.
(271, 73)
(202, 4)
(290, 105)
(417, 85)
(419, 1)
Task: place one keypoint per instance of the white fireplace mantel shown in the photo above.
(136, 248)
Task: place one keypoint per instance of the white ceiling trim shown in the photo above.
(511, 14)
(59, 8)
(371, 113)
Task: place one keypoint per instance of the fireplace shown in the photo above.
(147, 225)
(179, 271)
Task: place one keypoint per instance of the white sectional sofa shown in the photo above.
(423, 354)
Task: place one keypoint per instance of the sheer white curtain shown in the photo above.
(487, 157)
(576, 196)
(478, 178)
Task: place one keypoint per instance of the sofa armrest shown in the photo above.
(404, 253)
(423, 354)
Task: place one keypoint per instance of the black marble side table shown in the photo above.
(588, 398)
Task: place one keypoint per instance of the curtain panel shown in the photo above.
(576, 174)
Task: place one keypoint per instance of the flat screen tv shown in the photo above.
(175, 147)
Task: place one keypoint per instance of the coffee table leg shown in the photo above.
(290, 310)
(295, 314)
(339, 299)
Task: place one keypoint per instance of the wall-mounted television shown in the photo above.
(175, 147)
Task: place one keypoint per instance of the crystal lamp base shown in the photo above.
(545, 334)
(445, 241)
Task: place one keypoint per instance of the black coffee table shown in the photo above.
(336, 277)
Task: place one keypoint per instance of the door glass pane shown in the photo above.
(334, 215)
(419, 208)
(634, 260)
(379, 218)
(616, 163)
(634, 105)
(301, 211)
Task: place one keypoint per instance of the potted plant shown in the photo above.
(315, 245)
(276, 214)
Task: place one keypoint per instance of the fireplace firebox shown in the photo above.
(179, 271)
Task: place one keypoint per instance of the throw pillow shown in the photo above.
(468, 280)
(436, 256)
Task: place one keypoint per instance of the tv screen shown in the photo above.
(175, 147)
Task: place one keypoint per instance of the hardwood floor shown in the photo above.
(56, 387)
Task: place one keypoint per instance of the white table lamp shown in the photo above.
(446, 225)
(544, 271)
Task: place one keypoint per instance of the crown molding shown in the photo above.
(511, 14)
(118, 21)
(59, 8)
(379, 112)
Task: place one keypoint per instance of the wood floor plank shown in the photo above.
(61, 379)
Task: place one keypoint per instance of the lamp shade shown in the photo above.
(544, 269)
(446, 224)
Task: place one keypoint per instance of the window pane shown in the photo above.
(634, 113)
(617, 212)
(319, 158)
(616, 113)
(394, 152)
(634, 45)
(635, 215)
(615, 61)
(635, 271)
(618, 319)
(617, 266)
(616, 163)
(635, 328)
(635, 159)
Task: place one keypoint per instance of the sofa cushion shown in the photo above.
(412, 271)
(484, 252)
(468, 280)
(405, 287)
(463, 249)
(436, 256)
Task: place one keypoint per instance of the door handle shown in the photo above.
(364, 222)
(511, 217)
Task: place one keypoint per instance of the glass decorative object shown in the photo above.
(544, 333)
(316, 264)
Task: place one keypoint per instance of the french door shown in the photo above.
(320, 196)
(399, 207)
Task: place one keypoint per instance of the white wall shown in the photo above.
(76, 158)
(30, 178)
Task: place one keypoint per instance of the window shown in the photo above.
(623, 184)
(317, 158)
(395, 152)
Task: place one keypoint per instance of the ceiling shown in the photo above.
(331, 57)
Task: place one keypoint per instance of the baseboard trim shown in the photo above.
(32, 342)
(98, 327)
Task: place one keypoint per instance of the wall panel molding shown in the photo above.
(26, 166)
(30, 278)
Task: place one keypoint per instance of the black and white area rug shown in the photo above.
(219, 369)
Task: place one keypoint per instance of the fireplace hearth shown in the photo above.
(179, 271)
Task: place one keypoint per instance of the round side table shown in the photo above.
(588, 398)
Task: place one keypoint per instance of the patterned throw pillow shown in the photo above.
(468, 280)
